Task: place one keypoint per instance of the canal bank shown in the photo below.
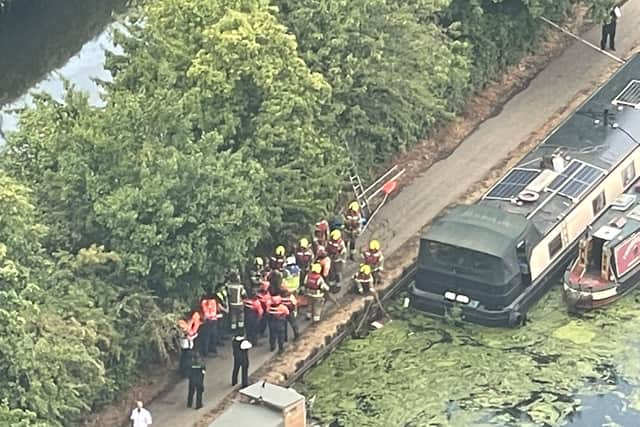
(521, 124)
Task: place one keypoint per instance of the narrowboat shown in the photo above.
(608, 263)
(491, 261)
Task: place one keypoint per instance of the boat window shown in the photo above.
(555, 246)
(628, 174)
(446, 257)
(599, 202)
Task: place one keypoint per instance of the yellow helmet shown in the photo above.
(354, 206)
(365, 269)
(336, 235)
(374, 245)
(304, 243)
(316, 268)
(280, 251)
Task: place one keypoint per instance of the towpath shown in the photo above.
(444, 183)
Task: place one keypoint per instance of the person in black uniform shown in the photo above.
(241, 347)
(609, 29)
(196, 381)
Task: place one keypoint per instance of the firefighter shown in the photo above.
(320, 234)
(235, 294)
(264, 295)
(353, 227)
(210, 311)
(196, 381)
(315, 287)
(337, 252)
(278, 313)
(253, 313)
(224, 325)
(188, 340)
(373, 257)
(240, 346)
(279, 259)
(289, 300)
(304, 258)
(363, 279)
(323, 259)
(256, 274)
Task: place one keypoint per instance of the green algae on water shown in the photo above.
(418, 371)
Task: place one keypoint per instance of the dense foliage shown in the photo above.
(224, 129)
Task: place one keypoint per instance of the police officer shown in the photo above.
(235, 294)
(241, 347)
(289, 300)
(278, 313)
(253, 313)
(196, 382)
(609, 29)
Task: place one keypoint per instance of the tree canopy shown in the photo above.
(225, 129)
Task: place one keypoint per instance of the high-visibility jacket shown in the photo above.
(222, 296)
(254, 304)
(265, 299)
(353, 220)
(193, 326)
(336, 247)
(235, 294)
(364, 279)
(209, 308)
(279, 311)
(373, 258)
(315, 284)
(304, 256)
(290, 302)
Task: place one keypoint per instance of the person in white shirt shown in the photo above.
(140, 417)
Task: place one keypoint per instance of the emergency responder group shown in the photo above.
(269, 298)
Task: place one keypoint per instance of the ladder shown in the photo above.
(358, 188)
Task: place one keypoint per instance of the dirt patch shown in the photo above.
(486, 104)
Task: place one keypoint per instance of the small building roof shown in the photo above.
(271, 394)
(246, 414)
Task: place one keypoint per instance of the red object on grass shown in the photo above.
(389, 186)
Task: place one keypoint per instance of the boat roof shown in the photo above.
(587, 151)
(621, 219)
(494, 230)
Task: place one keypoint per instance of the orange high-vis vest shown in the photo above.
(254, 305)
(209, 308)
(193, 326)
(279, 311)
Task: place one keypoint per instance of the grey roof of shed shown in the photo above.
(478, 227)
(246, 414)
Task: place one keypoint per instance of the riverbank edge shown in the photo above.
(279, 369)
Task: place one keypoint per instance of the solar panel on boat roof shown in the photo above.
(512, 184)
(585, 178)
(564, 175)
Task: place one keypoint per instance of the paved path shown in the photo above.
(444, 183)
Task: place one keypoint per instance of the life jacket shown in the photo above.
(313, 281)
(336, 247)
(235, 292)
(277, 262)
(372, 258)
(209, 308)
(254, 304)
(364, 279)
(265, 299)
(278, 311)
(290, 302)
(352, 220)
(303, 257)
(193, 326)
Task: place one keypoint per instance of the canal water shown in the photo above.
(43, 42)
(558, 370)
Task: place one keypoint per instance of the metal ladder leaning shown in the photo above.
(358, 188)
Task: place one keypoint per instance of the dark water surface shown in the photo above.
(44, 41)
(558, 370)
